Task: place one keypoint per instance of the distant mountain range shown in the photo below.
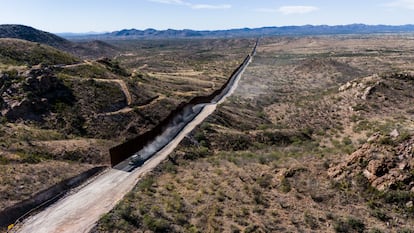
(63, 41)
(249, 32)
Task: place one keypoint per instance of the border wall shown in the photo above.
(123, 151)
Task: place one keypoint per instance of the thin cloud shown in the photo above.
(193, 6)
(407, 4)
(288, 10)
(207, 6)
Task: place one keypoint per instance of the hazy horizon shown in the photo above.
(143, 29)
(78, 16)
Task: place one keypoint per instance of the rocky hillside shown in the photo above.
(90, 49)
(386, 162)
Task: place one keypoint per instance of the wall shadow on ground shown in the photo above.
(44, 198)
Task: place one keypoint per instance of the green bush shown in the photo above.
(285, 185)
(375, 230)
(349, 225)
(251, 228)
(359, 107)
(405, 230)
(310, 220)
(347, 141)
(265, 181)
(146, 184)
(156, 224)
(379, 214)
(197, 152)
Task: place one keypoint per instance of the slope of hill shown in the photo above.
(90, 49)
(21, 52)
(31, 34)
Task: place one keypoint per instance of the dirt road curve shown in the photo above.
(123, 86)
(79, 212)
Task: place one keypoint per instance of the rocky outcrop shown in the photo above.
(31, 94)
(361, 89)
(386, 163)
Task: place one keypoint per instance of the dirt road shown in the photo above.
(79, 211)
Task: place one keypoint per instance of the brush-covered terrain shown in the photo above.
(319, 137)
(60, 113)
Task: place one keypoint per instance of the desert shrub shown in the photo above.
(3, 120)
(310, 220)
(194, 153)
(126, 213)
(192, 229)
(3, 160)
(380, 214)
(265, 181)
(405, 230)
(285, 185)
(156, 224)
(354, 118)
(343, 185)
(234, 229)
(359, 107)
(170, 167)
(146, 184)
(258, 196)
(386, 140)
(347, 141)
(221, 196)
(349, 225)
(404, 136)
(399, 198)
(362, 126)
(200, 136)
(239, 143)
(251, 228)
(30, 157)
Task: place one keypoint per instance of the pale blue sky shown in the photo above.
(110, 15)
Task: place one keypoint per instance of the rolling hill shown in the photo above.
(21, 52)
(31, 34)
(89, 49)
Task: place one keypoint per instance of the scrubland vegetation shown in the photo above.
(317, 138)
